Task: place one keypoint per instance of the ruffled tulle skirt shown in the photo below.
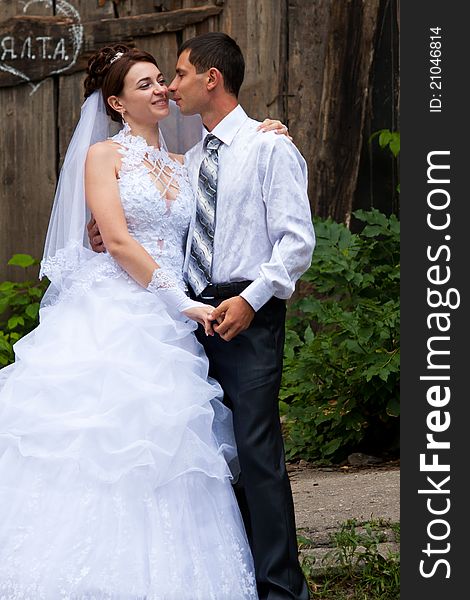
(116, 459)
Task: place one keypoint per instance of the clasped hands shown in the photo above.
(230, 318)
(233, 316)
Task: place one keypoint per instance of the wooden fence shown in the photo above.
(309, 63)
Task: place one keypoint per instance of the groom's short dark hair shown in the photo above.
(218, 50)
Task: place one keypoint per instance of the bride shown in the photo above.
(116, 452)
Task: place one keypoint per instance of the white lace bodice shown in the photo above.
(157, 199)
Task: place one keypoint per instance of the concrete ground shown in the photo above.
(325, 498)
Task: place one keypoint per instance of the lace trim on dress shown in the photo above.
(74, 270)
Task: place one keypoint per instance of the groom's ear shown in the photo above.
(214, 78)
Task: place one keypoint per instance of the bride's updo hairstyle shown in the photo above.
(107, 69)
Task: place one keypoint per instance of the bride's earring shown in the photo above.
(125, 125)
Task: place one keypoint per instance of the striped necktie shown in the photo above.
(200, 263)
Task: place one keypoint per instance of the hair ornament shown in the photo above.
(116, 57)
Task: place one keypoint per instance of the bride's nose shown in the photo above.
(160, 89)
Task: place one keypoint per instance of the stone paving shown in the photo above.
(326, 497)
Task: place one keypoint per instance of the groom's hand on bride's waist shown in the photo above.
(233, 316)
(94, 236)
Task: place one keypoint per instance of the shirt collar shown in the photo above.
(227, 129)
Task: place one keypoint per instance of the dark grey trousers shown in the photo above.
(249, 369)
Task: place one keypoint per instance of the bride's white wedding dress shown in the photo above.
(114, 443)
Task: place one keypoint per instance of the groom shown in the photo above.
(251, 239)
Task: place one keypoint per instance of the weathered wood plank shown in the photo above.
(258, 29)
(11, 8)
(70, 99)
(136, 7)
(109, 30)
(27, 170)
(308, 41)
(328, 105)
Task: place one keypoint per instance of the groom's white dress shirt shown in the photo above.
(263, 227)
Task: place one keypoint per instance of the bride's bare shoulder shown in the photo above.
(104, 147)
(105, 151)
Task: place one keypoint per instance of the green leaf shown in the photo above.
(36, 292)
(385, 138)
(388, 139)
(395, 146)
(19, 300)
(394, 225)
(375, 134)
(372, 230)
(22, 260)
(4, 343)
(309, 335)
(332, 446)
(14, 322)
(32, 310)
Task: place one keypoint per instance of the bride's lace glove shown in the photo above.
(166, 288)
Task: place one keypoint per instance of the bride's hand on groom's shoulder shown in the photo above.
(233, 316)
(276, 126)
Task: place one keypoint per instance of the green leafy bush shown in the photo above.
(19, 307)
(340, 389)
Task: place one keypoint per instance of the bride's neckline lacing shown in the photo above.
(157, 162)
